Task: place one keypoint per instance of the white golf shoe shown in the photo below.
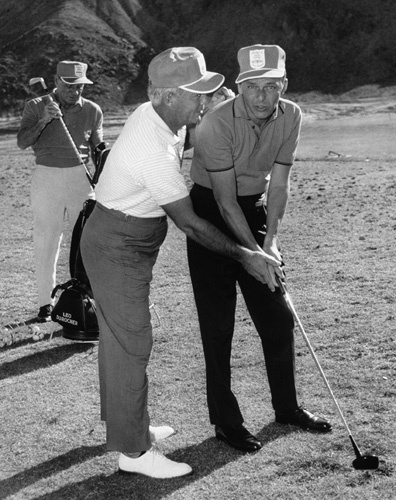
(161, 432)
(153, 464)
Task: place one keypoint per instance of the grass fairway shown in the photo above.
(338, 239)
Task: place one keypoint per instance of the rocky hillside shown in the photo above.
(331, 45)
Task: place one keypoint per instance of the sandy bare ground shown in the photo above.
(359, 126)
(338, 239)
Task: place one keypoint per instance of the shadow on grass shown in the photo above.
(38, 360)
(46, 469)
(205, 458)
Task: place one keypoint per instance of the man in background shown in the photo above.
(59, 184)
(244, 151)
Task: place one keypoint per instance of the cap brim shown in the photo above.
(262, 73)
(75, 81)
(209, 83)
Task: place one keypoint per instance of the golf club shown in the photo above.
(361, 462)
(39, 79)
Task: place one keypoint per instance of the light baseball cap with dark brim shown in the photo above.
(185, 68)
(73, 72)
(261, 61)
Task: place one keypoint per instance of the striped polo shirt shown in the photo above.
(142, 171)
(227, 138)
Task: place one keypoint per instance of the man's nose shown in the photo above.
(261, 94)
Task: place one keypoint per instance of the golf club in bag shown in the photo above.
(75, 307)
(361, 462)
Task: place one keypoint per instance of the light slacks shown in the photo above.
(119, 253)
(56, 193)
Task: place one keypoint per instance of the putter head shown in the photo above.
(366, 462)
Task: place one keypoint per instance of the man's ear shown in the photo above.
(285, 84)
(169, 98)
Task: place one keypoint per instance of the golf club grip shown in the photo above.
(306, 339)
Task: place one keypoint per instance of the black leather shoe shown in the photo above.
(238, 437)
(44, 314)
(304, 419)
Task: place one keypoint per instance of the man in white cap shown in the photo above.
(141, 185)
(244, 151)
(59, 183)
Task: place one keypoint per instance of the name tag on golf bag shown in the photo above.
(75, 311)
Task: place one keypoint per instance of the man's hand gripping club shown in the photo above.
(262, 266)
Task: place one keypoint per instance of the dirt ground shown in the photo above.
(338, 239)
(337, 130)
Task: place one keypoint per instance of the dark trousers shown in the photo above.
(214, 280)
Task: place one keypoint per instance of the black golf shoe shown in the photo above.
(238, 437)
(44, 313)
(304, 419)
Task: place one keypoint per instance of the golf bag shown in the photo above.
(75, 311)
(76, 266)
(75, 307)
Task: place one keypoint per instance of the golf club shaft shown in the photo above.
(76, 150)
(297, 319)
(62, 121)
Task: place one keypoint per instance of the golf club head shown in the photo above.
(38, 79)
(366, 462)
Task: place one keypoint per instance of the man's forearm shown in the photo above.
(276, 207)
(237, 223)
(256, 262)
(28, 136)
(207, 235)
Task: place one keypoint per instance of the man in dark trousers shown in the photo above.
(244, 151)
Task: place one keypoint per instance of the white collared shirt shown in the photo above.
(142, 171)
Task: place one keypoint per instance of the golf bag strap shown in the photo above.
(73, 283)
(63, 286)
